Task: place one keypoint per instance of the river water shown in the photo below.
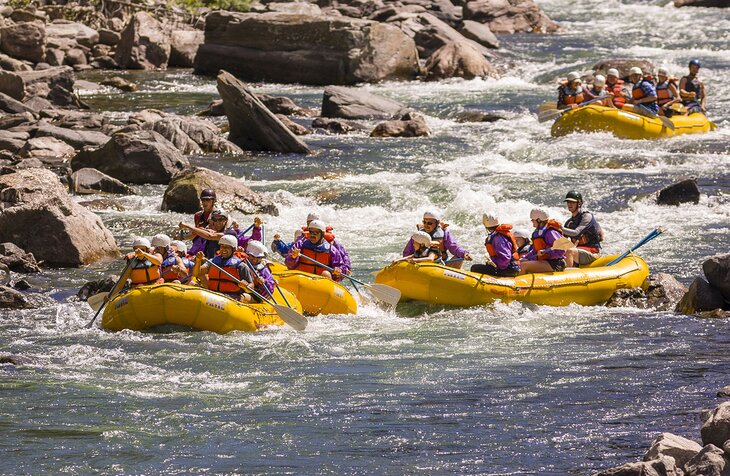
(500, 389)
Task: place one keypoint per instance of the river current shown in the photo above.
(500, 389)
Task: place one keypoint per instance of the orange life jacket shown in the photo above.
(538, 237)
(503, 230)
(321, 256)
(663, 93)
(221, 282)
(144, 272)
(168, 274)
(638, 93)
(576, 98)
(618, 94)
(328, 234)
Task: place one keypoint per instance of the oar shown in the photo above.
(645, 112)
(382, 292)
(544, 116)
(563, 243)
(644, 241)
(547, 106)
(105, 297)
(256, 273)
(288, 315)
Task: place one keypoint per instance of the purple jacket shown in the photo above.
(346, 263)
(323, 247)
(550, 236)
(267, 289)
(502, 249)
(199, 243)
(450, 244)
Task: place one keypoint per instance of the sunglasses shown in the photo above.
(430, 222)
(207, 199)
(218, 219)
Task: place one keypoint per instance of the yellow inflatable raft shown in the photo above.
(435, 283)
(318, 295)
(149, 306)
(625, 124)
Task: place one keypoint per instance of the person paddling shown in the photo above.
(218, 226)
(542, 258)
(144, 266)
(201, 220)
(570, 93)
(424, 250)
(615, 88)
(172, 267)
(438, 232)
(502, 249)
(316, 248)
(692, 89)
(216, 280)
(643, 94)
(264, 283)
(598, 90)
(179, 248)
(667, 92)
(583, 229)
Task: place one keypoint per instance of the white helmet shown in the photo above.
(161, 240)
(635, 70)
(229, 240)
(612, 72)
(662, 71)
(256, 249)
(313, 216)
(572, 76)
(421, 237)
(490, 220)
(433, 215)
(538, 214)
(317, 225)
(599, 80)
(139, 241)
(521, 233)
(179, 246)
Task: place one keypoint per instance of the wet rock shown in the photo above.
(282, 105)
(183, 47)
(144, 44)
(663, 466)
(135, 157)
(332, 125)
(95, 287)
(12, 120)
(77, 139)
(509, 16)
(717, 272)
(478, 116)
(458, 60)
(685, 191)
(351, 103)
(80, 33)
(714, 314)
(430, 34)
(413, 126)
(11, 64)
(623, 65)
(700, 297)
(45, 148)
(329, 50)
(662, 292)
(12, 299)
(13, 106)
(16, 259)
(85, 181)
(54, 83)
(101, 204)
(24, 41)
(215, 108)
(4, 274)
(183, 192)
(710, 461)
(189, 133)
(146, 116)
(679, 448)
(716, 430)
(120, 83)
(109, 37)
(75, 57)
(702, 3)
(480, 33)
(252, 125)
(12, 359)
(297, 129)
(172, 132)
(724, 392)
(13, 141)
(104, 62)
(70, 119)
(100, 50)
(22, 285)
(37, 207)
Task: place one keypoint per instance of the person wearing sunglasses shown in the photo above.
(317, 248)
(217, 227)
(447, 244)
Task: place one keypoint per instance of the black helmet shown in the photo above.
(573, 196)
(207, 193)
(695, 62)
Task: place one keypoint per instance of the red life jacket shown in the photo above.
(538, 237)
(166, 269)
(201, 219)
(219, 281)
(144, 272)
(321, 256)
(328, 234)
(617, 90)
(503, 230)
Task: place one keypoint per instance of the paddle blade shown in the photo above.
(563, 243)
(291, 317)
(667, 122)
(385, 293)
(549, 115)
(97, 300)
(546, 106)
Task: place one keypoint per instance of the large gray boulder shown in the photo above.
(80, 33)
(480, 33)
(352, 103)
(711, 461)
(662, 466)
(717, 272)
(662, 293)
(11, 64)
(679, 448)
(182, 195)
(290, 48)
(87, 181)
(701, 297)
(55, 84)
(716, 429)
(76, 138)
(685, 191)
(184, 45)
(412, 125)
(39, 215)
(510, 16)
(17, 259)
(144, 44)
(134, 157)
(12, 299)
(24, 41)
(13, 106)
(458, 60)
(48, 149)
(252, 125)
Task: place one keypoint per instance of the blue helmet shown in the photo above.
(695, 62)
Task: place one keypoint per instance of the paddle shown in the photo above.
(256, 273)
(547, 106)
(106, 297)
(644, 241)
(645, 112)
(563, 243)
(547, 115)
(288, 315)
(382, 292)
